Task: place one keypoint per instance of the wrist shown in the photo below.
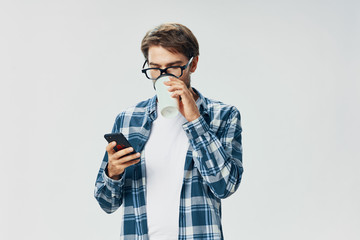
(114, 177)
(111, 175)
(194, 117)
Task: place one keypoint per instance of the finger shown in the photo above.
(168, 83)
(176, 82)
(127, 164)
(176, 87)
(172, 81)
(123, 152)
(180, 93)
(129, 158)
(110, 148)
(118, 168)
(184, 97)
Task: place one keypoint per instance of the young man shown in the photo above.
(187, 164)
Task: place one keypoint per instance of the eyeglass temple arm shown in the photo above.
(144, 63)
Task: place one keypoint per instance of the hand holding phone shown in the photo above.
(120, 155)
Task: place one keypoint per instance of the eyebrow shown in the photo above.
(176, 63)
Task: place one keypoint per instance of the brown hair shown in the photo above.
(174, 37)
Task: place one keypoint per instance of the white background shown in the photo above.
(67, 68)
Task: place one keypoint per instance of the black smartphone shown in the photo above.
(120, 139)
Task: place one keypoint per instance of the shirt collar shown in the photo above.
(151, 108)
(202, 102)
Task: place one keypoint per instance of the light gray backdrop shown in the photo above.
(67, 68)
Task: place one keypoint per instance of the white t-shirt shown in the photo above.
(165, 154)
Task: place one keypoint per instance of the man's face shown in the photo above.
(159, 57)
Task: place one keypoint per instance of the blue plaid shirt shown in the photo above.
(212, 171)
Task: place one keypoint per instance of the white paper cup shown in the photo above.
(168, 106)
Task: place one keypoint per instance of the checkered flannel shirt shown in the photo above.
(212, 171)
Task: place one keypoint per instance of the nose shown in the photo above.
(163, 71)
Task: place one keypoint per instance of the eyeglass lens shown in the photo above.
(155, 73)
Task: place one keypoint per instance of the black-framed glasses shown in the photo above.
(155, 73)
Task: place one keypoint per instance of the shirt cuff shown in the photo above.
(113, 185)
(196, 128)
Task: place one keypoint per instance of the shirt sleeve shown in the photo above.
(108, 192)
(218, 158)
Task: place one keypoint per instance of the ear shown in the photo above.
(193, 64)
